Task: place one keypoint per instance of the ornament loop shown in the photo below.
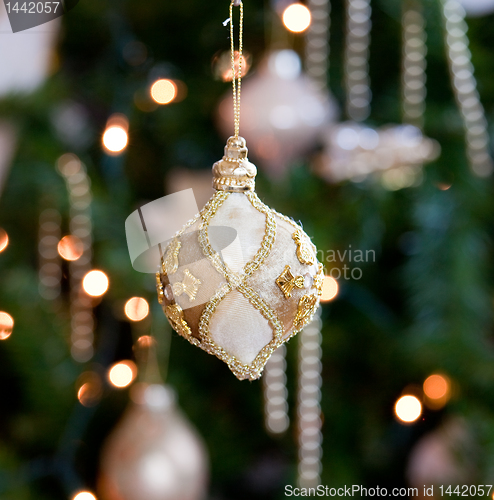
(236, 75)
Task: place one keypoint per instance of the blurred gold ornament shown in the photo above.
(154, 453)
(395, 153)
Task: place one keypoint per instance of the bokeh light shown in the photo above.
(163, 91)
(437, 390)
(408, 409)
(142, 347)
(90, 389)
(222, 65)
(70, 248)
(95, 283)
(296, 17)
(329, 289)
(136, 308)
(69, 164)
(4, 239)
(436, 386)
(145, 341)
(115, 139)
(6, 325)
(122, 374)
(84, 495)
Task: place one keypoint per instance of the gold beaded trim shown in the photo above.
(239, 369)
(269, 235)
(237, 281)
(159, 289)
(175, 316)
(207, 214)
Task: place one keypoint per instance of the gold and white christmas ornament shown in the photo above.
(242, 301)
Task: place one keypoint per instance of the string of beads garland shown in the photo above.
(316, 42)
(465, 88)
(81, 310)
(357, 84)
(309, 420)
(414, 63)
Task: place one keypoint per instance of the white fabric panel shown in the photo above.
(238, 213)
(240, 328)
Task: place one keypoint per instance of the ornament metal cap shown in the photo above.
(234, 172)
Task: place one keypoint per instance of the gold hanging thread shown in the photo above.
(236, 80)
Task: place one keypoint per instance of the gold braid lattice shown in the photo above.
(237, 281)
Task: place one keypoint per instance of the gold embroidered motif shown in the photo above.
(189, 286)
(159, 289)
(287, 282)
(175, 316)
(170, 263)
(303, 250)
(318, 280)
(306, 308)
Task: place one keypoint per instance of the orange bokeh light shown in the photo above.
(240, 63)
(329, 289)
(70, 248)
(296, 18)
(6, 325)
(408, 409)
(436, 386)
(122, 374)
(4, 239)
(163, 91)
(90, 389)
(136, 308)
(95, 283)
